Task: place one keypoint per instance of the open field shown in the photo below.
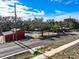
(70, 53)
(58, 43)
(37, 35)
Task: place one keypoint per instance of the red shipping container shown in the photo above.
(20, 34)
(14, 35)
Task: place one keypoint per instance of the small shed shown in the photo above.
(12, 35)
(8, 36)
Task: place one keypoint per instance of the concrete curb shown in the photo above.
(19, 52)
(57, 50)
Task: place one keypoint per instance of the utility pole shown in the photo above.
(15, 14)
(14, 27)
(1, 28)
(33, 51)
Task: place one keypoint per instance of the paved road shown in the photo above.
(13, 47)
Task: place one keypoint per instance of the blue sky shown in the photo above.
(53, 7)
(45, 8)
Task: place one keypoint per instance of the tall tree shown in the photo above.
(71, 23)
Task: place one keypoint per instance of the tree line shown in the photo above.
(7, 23)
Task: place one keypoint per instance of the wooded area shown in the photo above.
(7, 23)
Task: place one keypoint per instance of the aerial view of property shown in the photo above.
(39, 29)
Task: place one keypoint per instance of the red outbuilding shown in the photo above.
(14, 34)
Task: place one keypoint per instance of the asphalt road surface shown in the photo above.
(15, 47)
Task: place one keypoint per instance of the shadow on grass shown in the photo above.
(28, 37)
(50, 37)
(22, 45)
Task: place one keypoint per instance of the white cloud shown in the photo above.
(59, 1)
(72, 15)
(65, 2)
(71, 2)
(7, 9)
(35, 10)
(59, 12)
(62, 17)
(36, 14)
(23, 7)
